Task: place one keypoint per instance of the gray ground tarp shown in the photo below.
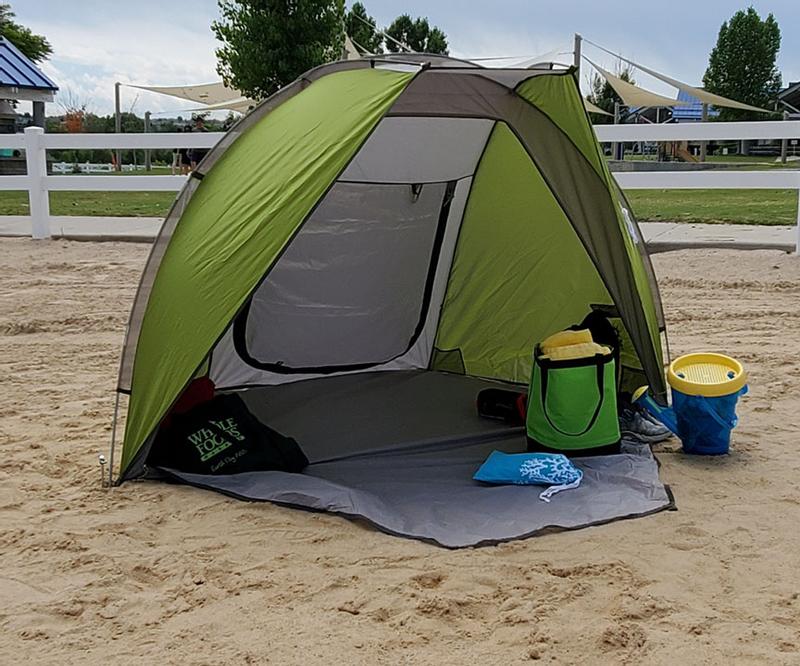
(399, 450)
(431, 495)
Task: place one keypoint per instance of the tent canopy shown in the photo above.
(382, 216)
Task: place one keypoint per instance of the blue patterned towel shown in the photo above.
(552, 469)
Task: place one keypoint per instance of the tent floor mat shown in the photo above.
(418, 482)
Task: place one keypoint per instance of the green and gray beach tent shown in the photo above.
(416, 212)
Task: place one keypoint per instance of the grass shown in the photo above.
(112, 204)
(766, 207)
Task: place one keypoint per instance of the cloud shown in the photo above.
(99, 42)
(88, 58)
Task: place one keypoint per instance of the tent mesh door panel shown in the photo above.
(350, 288)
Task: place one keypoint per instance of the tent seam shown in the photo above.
(458, 240)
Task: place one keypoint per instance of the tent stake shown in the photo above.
(102, 460)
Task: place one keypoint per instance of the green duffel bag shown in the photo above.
(572, 405)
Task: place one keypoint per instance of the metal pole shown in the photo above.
(615, 145)
(576, 56)
(117, 124)
(147, 165)
(113, 443)
(784, 142)
(704, 144)
(38, 114)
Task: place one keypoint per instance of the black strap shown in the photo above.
(599, 361)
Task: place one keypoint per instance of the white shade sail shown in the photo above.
(205, 93)
(240, 105)
(699, 93)
(593, 108)
(217, 96)
(351, 52)
(634, 96)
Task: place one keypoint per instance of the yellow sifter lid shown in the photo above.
(710, 375)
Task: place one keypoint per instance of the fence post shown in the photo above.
(784, 142)
(38, 196)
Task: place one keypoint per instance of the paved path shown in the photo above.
(660, 236)
(142, 229)
(665, 236)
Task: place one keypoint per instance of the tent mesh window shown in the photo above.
(331, 300)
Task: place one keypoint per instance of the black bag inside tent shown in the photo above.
(223, 437)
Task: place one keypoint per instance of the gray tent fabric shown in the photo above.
(372, 412)
(399, 449)
(327, 290)
(430, 494)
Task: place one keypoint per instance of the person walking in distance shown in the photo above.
(197, 154)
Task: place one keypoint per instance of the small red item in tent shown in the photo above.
(502, 405)
(522, 407)
(200, 390)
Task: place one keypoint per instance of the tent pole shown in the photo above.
(576, 55)
(113, 443)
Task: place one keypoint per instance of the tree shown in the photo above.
(417, 34)
(360, 27)
(267, 44)
(35, 47)
(604, 96)
(74, 111)
(742, 64)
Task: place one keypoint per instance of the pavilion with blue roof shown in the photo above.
(21, 80)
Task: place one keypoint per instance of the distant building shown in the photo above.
(789, 99)
(693, 113)
(21, 80)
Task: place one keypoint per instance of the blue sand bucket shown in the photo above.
(705, 390)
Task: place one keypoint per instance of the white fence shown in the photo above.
(90, 167)
(38, 183)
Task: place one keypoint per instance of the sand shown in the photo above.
(156, 574)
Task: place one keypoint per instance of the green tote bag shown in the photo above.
(572, 404)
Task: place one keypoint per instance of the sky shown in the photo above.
(169, 42)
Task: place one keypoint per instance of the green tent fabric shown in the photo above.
(515, 242)
(411, 213)
(559, 98)
(238, 220)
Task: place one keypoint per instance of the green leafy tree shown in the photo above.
(360, 27)
(742, 64)
(417, 35)
(604, 96)
(267, 44)
(35, 47)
